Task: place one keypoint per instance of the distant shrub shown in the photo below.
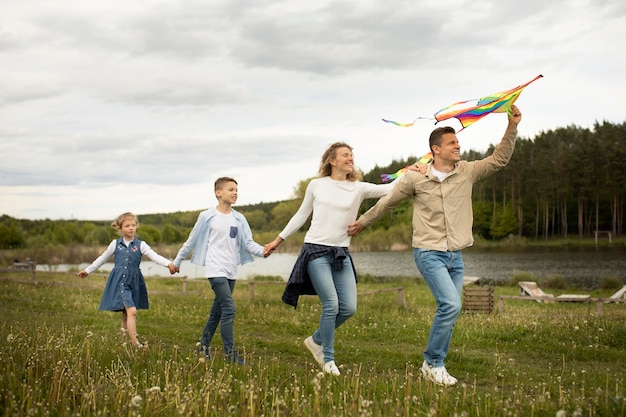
(513, 241)
(611, 283)
(555, 281)
(373, 279)
(521, 276)
(267, 278)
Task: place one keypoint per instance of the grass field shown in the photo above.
(60, 355)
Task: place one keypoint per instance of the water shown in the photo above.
(581, 267)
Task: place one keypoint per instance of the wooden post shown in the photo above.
(401, 298)
(251, 284)
(600, 308)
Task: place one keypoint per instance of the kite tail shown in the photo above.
(406, 124)
(389, 177)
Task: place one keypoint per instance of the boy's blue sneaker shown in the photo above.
(238, 360)
(205, 350)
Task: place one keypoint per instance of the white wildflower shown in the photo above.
(561, 413)
(136, 401)
(10, 338)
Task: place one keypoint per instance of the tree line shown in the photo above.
(562, 182)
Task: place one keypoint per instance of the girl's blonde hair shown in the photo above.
(330, 154)
(117, 223)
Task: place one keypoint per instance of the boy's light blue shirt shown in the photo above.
(198, 240)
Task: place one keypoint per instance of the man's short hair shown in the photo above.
(437, 135)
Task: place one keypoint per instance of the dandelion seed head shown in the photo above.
(10, 337)
(561, 413)
(136, 401)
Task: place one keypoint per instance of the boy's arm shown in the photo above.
(252, 246)
(189, 245)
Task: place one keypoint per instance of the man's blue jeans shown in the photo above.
(337, 293)
(443, 272)
(223, 311)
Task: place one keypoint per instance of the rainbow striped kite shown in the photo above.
(423, 160)
(470, 111)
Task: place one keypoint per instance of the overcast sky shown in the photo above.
(115, 106)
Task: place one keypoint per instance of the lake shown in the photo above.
(580, 267)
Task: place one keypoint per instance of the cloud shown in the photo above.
(117, 106)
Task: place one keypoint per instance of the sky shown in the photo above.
(139, 105)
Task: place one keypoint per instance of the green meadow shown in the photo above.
(61, 356)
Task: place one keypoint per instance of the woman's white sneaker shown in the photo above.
(331, 368)
(439, 375)
(315, 349)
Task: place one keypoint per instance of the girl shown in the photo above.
(125, 289)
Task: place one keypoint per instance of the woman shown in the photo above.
(324, 266)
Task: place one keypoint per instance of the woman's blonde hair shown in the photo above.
(330, 154)
(117, 223)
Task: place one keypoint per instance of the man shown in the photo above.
(442, 227)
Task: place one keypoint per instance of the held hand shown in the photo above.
(515, 116)
(172, 268)
(355, 228)
(417, 167)
(270, 247)
(82, 274)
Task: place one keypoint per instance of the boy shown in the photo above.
(220, 240)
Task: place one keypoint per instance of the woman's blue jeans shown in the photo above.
(443, 272)
(222, 312)
(337, 293)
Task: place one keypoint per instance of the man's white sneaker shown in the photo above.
(331, 368)
(315, 349)
(439, 376)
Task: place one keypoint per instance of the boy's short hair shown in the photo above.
(219, 183)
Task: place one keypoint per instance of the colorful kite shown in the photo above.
(470, 111)
(423, 160)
